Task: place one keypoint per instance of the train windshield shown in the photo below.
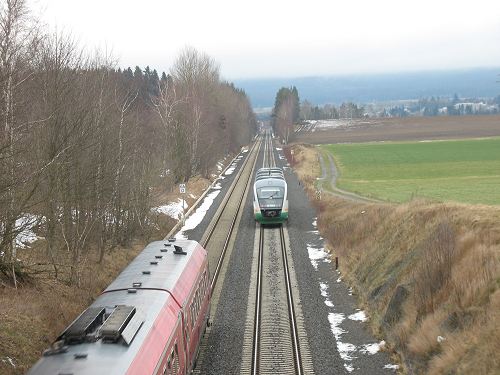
(270, 196)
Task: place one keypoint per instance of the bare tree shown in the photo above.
(196, 77)
(82, 145)
(18, 47)
(167, 106)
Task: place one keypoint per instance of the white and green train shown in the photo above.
(270, 202)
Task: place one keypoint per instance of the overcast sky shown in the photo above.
(275, 38)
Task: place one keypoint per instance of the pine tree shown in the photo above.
(137, 72)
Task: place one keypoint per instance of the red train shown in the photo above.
(150, 320)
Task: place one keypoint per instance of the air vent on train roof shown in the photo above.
(84, 325)
(178, 250)
(113, 327)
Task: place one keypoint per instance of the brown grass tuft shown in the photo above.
(434, 269)
(424, 341)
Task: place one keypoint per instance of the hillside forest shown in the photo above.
(82, 143)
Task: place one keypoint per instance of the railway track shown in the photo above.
(276, 347)
(220, 234)
(221, 228)
(275, 339)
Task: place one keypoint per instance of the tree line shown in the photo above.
(286, 112)
(309, 111)
(289, 110)
(82, 143)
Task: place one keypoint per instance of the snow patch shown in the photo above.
(349, 367)
(230, 170)
(25, 225)
(317, 254)
(391, 367)
(335, 320)
(372, 348)
(359, 316)
(165, 173)
(345, 350)
(173, 209)
(324, 289)
(9, 360)
(196, 218)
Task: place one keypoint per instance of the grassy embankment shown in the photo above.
(33, 315)
(465, 171)
(436, 264)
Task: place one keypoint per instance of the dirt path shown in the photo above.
(333, 173)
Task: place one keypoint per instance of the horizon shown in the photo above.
(373, 74)
(287, 39)
(377, 88)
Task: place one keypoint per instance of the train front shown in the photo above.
(270, 201)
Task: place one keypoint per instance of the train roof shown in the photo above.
(264, 173)
(166, 273)
(131, 317)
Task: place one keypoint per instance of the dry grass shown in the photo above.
(306, 157)
(424, 341)
(447, 255)
(33, 315)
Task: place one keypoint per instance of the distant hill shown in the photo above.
(377, 88)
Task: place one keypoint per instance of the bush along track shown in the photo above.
(428, 273)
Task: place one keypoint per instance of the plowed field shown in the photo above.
(403, 129)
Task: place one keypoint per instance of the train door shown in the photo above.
(175, 363)
(194, 315)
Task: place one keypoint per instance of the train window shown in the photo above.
(166, 370)
(175, 362)
(196, 303)
(270, 192)
(270, 196)
(172, 363)
(188, 325)
(204, 282)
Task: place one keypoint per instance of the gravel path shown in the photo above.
(333, 181)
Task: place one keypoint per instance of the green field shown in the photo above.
(460, 170)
